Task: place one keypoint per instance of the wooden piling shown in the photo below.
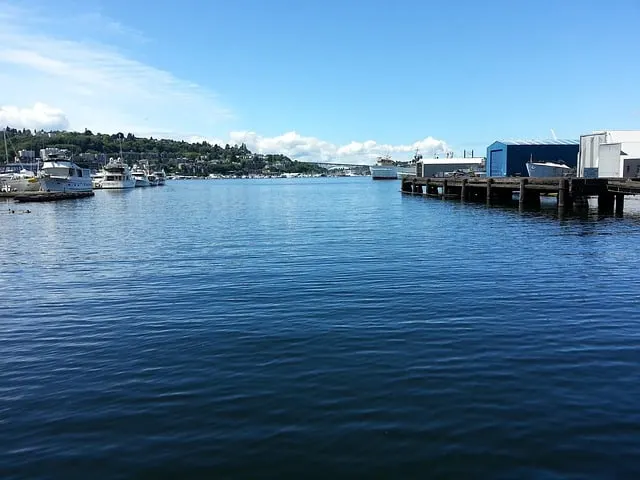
(563, 193)
(523, 192)
(619, 203)
(605, 202)
(489, 183)
(571, 193)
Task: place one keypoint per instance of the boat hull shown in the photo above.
(24, 184)
(539, 170)
(160, 176)
(141, 182)
(66, 185)
(117, 184)
(404, 171)
(391, 172)
(384, 173)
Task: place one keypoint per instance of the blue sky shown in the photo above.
(324, 80)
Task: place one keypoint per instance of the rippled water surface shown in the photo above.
(316, 328)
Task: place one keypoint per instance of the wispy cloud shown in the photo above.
(96, 20)
(55, 81)
(97, 86)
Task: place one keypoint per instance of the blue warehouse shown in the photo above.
(505, 159)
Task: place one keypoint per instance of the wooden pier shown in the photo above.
(45, 196)
(493, 190)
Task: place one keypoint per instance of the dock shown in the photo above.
(45, 196)
(494, 190)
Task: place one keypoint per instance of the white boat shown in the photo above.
(97, 178)
(388, 169)
(384, 169)
(117, 175)
(161, 176)
(153, 180)
(14, 177)
(547, 169)
(404, 170)
(140, 176)
(409, 168)
(60, 174)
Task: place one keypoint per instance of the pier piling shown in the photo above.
(619, 203)
(522, 200)
(605, 202)
(571, 193)
(489, 184)
(463, 190)
(563, 193)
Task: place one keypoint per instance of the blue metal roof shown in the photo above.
(540, 142)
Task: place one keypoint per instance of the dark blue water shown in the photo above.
(316, 328)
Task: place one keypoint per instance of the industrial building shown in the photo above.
(431, 167)
(509, 158)
(612, 153)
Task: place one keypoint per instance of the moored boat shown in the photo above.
(140, 175)
(15, 177)
(409, 168)
(388, 169)
(161, 176)
(60, 174)
(384, 169)
(153, 180)
(547, 169)
(117, 175)
(97, 178)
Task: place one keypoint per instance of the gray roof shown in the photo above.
(540, 142)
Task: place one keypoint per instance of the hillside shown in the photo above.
(175, 156)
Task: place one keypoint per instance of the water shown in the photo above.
(316, 328)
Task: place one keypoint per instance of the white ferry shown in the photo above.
(388, 169)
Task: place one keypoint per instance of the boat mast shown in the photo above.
(6, 151)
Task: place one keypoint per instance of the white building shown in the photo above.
(429, 167)
(610, 153)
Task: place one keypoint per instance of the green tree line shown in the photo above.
(177, 155)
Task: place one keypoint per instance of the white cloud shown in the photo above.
(97, 86)
(38, 117)
(304, 148)
(58, 83)
(292, 144)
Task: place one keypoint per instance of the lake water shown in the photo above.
(316, 328)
